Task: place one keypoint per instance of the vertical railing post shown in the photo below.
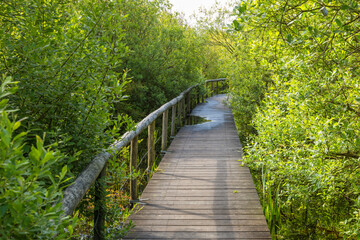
(164, 130)
(151, 147)
(179, 113)
(133, 167)
(173, 120)
(184, 110)
(203, 95)
(198, 96)
(212, 88)
(188, 103)
(217, 87)
(100, 206)
(206, 89)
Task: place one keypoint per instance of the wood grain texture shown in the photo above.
(200, 190)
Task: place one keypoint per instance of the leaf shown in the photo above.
(16, 125)
(3, 210)
(345, 7)
(63, 172)
(39, 143)
(3, 103)
(237, 25)
(48, 156)
(289, 38)
(70, 228)
(338, 22)
(242, 8)
(5, 137)
(357, 99)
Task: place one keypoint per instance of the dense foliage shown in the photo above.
(295, 91)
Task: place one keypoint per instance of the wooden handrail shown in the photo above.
(77, 190)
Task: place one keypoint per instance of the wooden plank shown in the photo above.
(198, 192)
(209, 197)
(203, 222)
(194, 217)
(199, 235)
(183, 206)
(200, 228)
(173, 213)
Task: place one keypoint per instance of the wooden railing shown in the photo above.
(96, 170)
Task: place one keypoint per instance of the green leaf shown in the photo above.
(289, 38)
(16, 125)
(3, 210)
(48, 156)
(63, 172)
(237, 25)
(71, 230)
(345, 7)
(5, 137)
(338, 22)
(3, 103)
(357, 99)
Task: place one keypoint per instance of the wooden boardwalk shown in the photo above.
(200, 191)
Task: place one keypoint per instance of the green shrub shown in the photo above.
(30, 206)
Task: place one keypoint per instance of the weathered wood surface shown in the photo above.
(200, 191)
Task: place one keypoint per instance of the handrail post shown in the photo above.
(133, 166)
(217, 87)
(164, 130)
(173, 120)
(179, 113)
(198, 95)
(151, 147)
(206, 88)
(212, 88)
(100, 206)
(184, 110)
(188, 103)
(203, 95)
